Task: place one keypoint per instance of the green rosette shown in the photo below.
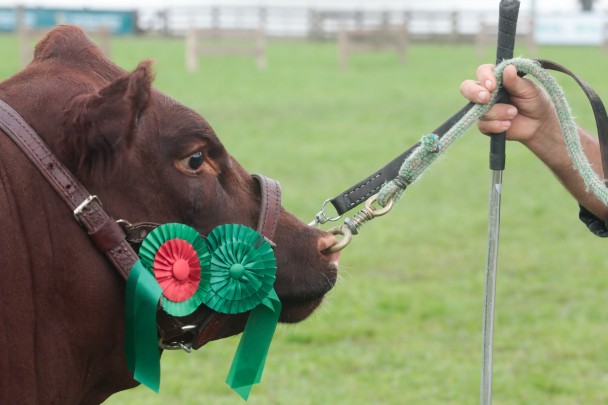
(174, 253)
(242, 271)
(241, 278)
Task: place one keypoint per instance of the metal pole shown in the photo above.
(508, 13)
(490, 288)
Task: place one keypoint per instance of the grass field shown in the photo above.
(403, 325)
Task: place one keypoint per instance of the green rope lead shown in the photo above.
(431, 146)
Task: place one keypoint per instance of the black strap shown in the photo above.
(360, 192)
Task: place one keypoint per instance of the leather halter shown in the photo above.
(109, 236)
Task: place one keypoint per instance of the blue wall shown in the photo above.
(119, 22)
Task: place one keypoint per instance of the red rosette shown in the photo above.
(174, 254)
(177, 269)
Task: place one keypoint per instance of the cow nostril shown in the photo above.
(326, 241)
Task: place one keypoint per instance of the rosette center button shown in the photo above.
(181, 269)
(237, 270)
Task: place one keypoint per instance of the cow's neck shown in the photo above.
(59, 297)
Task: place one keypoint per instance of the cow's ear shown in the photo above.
(98, 126)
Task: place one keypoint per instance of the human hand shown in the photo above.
(530, 115)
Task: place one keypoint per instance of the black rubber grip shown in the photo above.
(507, 27)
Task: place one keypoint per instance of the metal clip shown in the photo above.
(322, 218)
(83, 206)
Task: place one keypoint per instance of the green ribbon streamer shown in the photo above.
(250, 356)
(141, 341)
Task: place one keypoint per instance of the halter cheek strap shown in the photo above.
(103, 230)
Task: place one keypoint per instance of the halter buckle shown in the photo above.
(177, 345)
(83, 206)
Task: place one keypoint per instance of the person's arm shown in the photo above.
(557, 158)
(532, 120)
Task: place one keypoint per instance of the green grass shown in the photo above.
(403, 325)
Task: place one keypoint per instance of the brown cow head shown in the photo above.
(148, 158)
(157, 160)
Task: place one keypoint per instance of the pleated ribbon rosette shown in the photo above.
(232, 271)
(169, 269)
(240, 278)
(175, 254)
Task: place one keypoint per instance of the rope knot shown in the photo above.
(430, 143)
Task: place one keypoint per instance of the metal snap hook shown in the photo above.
(322, 217)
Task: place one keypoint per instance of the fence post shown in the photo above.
(454, 22)
(403, 42)
(260, 49)
(343, 47)
(25, 49)
(191, 51)
(530, 41)
(480, 39)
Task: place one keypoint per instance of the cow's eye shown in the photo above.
(192, 164)
(196, 160)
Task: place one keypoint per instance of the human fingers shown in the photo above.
(478, 91)
(497, 119)
(493, 127)
(500, 112)
(485, 76)
(475, 92)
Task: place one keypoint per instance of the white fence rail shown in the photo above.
(320, 23)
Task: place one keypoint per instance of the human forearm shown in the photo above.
(552, 151)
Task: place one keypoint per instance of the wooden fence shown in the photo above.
(318, 23)
(234, 42)
(374, 40)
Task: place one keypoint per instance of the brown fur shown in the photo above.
(61, 320)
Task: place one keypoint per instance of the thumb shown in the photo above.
(518, 86)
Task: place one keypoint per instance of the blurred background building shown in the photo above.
(545, 21)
